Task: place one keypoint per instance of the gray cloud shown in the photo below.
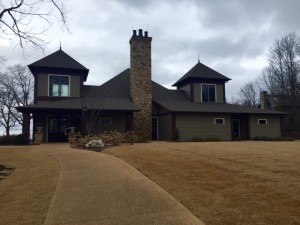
(231, 37)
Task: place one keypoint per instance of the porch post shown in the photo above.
(26, 124)
(84, 110)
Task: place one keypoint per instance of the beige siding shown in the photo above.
(75, 86)
(219, 92)
(272, 129)
(117, 123)
(43, 85)
(197, 92)
(187, 89)
(192, 126)
(165, 127)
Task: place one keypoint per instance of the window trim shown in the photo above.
(215, 91)
(59, 75)
(215, 121)
(262, 119)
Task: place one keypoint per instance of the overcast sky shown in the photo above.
(230, 36)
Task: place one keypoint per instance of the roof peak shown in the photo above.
(59, 60)
(201, 71)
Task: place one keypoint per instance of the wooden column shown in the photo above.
(26, 124)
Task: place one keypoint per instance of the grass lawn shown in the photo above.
(25, 194)
(232, 183)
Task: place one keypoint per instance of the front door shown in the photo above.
(236, 130)
(57, 126)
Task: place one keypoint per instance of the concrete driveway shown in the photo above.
(96, 188)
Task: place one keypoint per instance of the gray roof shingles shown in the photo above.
(91, 103)
(115, 95)
(201, 71)
(59, 59)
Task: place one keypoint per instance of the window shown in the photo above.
(105, 121)
(208, 92)
(59, 85)
(219, 121)
(262, 121)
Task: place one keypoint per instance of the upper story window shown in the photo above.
(59, 85)
(208, 92)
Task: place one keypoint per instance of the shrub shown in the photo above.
(176, 135)
(107, 137)
(130, 137)
(212, 139)
(207, 139)
(264, 138)
(7, 140)
(21, 140)
(197, 139)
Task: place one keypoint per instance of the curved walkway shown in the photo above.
(96, 188)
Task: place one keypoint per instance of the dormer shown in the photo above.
(57, 76)
(203, 84)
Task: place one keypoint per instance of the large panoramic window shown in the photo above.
(59, 85)
(208, 92)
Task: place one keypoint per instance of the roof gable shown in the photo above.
(201, 71)
(59, 60)
(117, 87)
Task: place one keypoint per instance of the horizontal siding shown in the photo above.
(42, 86)
(220, 93)
(193, 125)
(75, 86)
(117, 123)
(187, 89)
(272, 129)
(165, 127)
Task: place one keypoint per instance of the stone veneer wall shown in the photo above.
(38, 135)
(141, 84)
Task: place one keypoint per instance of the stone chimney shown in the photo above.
(264, 104)
(141, 83)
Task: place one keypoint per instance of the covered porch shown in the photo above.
(52, 121)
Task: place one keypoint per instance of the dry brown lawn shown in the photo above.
(25, 195)
(232, 183)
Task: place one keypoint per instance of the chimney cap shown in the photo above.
(140, 32)
(140, 35)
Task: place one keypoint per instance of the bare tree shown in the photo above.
(267, 82)
(291, 46)
(7, 105)
(18, 82)
(248, 94)
(281, 76)
(16, 17)
(22, 84)
(91, 119)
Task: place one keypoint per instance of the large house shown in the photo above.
(131, 101)
(285, 103)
